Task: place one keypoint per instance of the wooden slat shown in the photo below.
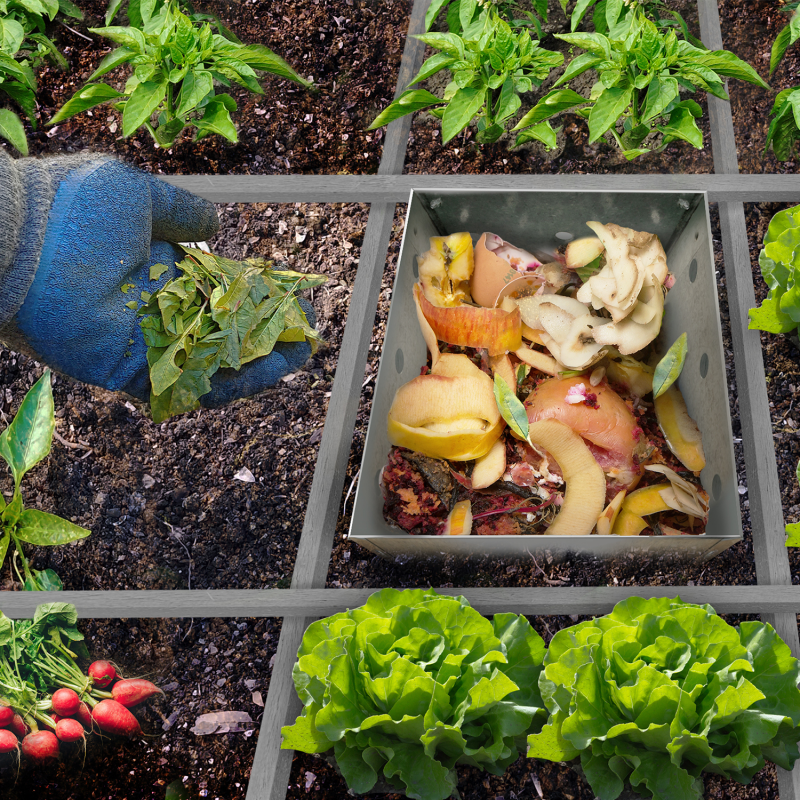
(239, 604)
(766, 516)
(763, 486)
(312, 603)
(726, 161)
(385, 188)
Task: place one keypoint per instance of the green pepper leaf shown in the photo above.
(13, 131)
(27, 440)
(40, 528)
(551, 104)
(88, 97)
(146, 98)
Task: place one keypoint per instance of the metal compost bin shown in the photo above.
(533, 219)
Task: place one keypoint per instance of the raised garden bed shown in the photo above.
(782, 363)
(246, 536)
(203, 666)
(161, 500)
(750, 35)
(351, 48)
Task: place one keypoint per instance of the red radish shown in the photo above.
(8, 742)
(66, 702)
(84, 716)
(19, 727)
(113, 717)
(6, 715)
(102, 673)
(40, 746)
(57, 717)
(132, 692)
(69, 730)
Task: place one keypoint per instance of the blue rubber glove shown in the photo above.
(107, 225)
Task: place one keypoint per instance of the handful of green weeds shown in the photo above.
(217, 313)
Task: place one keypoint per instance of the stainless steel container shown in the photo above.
(532, 219)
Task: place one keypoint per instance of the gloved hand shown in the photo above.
(86, 227)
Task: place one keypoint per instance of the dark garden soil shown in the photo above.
(161, 501)
(574, 154)
(782, 362)
(352, 48)
(526, 778)
(203, 666)
(354, 566)
(749, 29)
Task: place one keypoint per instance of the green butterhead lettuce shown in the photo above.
(413, 683)
(780, 267)
(658, 691)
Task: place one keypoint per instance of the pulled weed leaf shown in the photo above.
(217, 314)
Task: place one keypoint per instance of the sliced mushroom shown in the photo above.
(555, 321)
(529, 307)
(629, 336)
(629, 273)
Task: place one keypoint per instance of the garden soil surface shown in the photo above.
(749, 28)
(351, 48)
(162, 501)
(203, 666)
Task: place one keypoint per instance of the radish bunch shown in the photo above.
(66, 717)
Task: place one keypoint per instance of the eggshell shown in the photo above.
(491, 274)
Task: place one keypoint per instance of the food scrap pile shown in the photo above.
(535, 413)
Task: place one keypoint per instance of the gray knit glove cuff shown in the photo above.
(27, 189)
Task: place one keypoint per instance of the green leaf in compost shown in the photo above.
(27, 440)
(669, 368)
(511, 409)
(40, 528)
(592, 268)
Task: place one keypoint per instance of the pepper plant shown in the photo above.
(24, 44)
(784, 127)
(637, 98)
(23, 444)
(491, 65)
(18, 83)
(460, 13)
(176, 64)
(609, 13)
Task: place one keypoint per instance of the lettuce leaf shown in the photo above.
(413, 683)
(659, 691)
(780, 266)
